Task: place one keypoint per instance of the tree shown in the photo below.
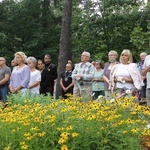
(64, 50)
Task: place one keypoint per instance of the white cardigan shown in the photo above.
(133, 71)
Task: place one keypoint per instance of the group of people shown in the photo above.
(115, 78)
(28, 75)
(86, 80)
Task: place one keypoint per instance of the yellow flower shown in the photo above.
(61, 141)
(13, 130)
(102, 128)
(69, 128)
(41, 134)
(34, 128)
(64, 147)
(91, 117)
(7, 148)
(28, 138)
(74, 134)
(64, 135)
(27, 134)
(24, 147)
(135, 130)
(22, 143)
(124, 132)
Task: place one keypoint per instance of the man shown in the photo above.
(140, 66)
(66, 81)
(52, 70)
(13, 64)
(5, 73)
(146, 72)
(83, 75)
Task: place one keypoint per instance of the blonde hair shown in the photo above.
(128, 52)
(22, 55)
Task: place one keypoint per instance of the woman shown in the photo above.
(44, 84)
(112, 56)
(35, 77)
(98, 81)
(20, 77)
(125, 76)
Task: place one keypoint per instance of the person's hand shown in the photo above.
(15, 91)
(148, 68)
(78, 76)
(65, 89)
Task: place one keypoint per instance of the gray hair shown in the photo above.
(32, 59)
(86, 53)
(143, 53)
(114, 52)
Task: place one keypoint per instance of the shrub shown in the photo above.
(43, 123)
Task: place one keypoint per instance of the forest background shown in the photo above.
(66, 28)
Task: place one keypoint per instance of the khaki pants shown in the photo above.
(84, 91)
(108, 95)
(148, 97)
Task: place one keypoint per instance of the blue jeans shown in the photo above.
(4, 93)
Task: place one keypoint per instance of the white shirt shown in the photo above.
(123, 71)
(35, 76)
(146, 63)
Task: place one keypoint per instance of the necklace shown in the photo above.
(48, 68)
(67, 76)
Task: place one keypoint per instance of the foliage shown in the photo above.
(97, 27)
(43, 123)
(140, 36)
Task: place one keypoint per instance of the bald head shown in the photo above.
(2, 61)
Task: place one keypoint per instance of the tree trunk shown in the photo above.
(64, 42)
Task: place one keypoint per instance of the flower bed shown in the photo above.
(42, 123)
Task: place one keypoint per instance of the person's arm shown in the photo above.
(5, 79)
(26, 79)
(70, 85)
(106, 79)
(37, 82)
(17, 89)
(61, 84)
(123, 79)
(145, 70)
(34, 84)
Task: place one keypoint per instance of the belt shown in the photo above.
(85, 82)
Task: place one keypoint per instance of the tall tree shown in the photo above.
(64, 41)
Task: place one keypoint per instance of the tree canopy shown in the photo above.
(98, 26)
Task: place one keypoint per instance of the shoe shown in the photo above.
(142, 101)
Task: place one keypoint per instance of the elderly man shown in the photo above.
(5, 73)
(140, 66)
(146, 72)
(83, 74)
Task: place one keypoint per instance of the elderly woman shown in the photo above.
(35, 77)
(98, 81)
(125, 76)
(20, 77)
(112, 56)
